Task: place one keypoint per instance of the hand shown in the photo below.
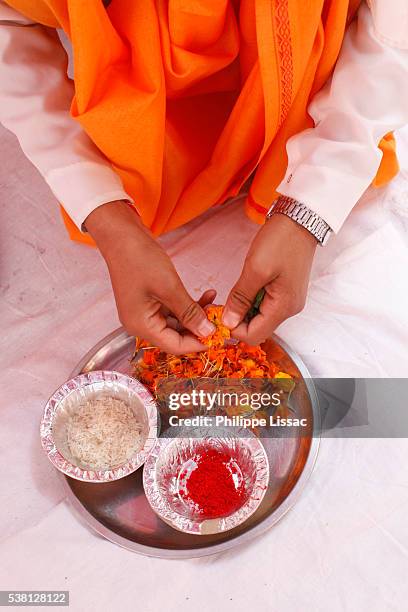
(151, 300)
(279, 259)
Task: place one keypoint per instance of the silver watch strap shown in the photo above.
(303, 215)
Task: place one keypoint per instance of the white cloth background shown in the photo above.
(344, 546)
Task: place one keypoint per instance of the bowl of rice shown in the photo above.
(99, 426)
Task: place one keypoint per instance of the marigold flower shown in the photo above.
(221, 333)
(218, 361)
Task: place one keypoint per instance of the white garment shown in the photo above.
(330, 165)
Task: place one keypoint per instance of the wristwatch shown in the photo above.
(303, 215)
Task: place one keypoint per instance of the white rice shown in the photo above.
(103, 433)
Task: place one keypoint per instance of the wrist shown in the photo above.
(291, 232)
(111, 223)
(303, 216)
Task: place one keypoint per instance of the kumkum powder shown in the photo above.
(215, 488)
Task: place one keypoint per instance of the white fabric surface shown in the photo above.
(329, 166)
(343, 547)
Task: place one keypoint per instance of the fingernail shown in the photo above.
(231, 319)
(206, 328)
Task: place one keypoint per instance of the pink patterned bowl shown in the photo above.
(92, 385)
(173, 457)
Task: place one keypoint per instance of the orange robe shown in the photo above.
(189, 98)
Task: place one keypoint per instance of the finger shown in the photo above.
(173, 323)
(207, 298)
(272, 312)
(165, 311)
(172, 341)
(190, 313)
(240, 298)
(162, 332)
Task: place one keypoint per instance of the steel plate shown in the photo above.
(119, 510)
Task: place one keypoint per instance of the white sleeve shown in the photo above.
(35, 98)
(331, 165)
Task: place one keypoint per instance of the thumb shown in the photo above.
(240, 298)
(189, 313)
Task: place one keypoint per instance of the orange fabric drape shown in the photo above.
(188, 98)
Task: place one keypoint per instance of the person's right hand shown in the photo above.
(152, 302)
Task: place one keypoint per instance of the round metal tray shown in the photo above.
(119, 510)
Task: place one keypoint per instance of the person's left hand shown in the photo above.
(279, 259)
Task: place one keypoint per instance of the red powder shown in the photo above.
(211, 488)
